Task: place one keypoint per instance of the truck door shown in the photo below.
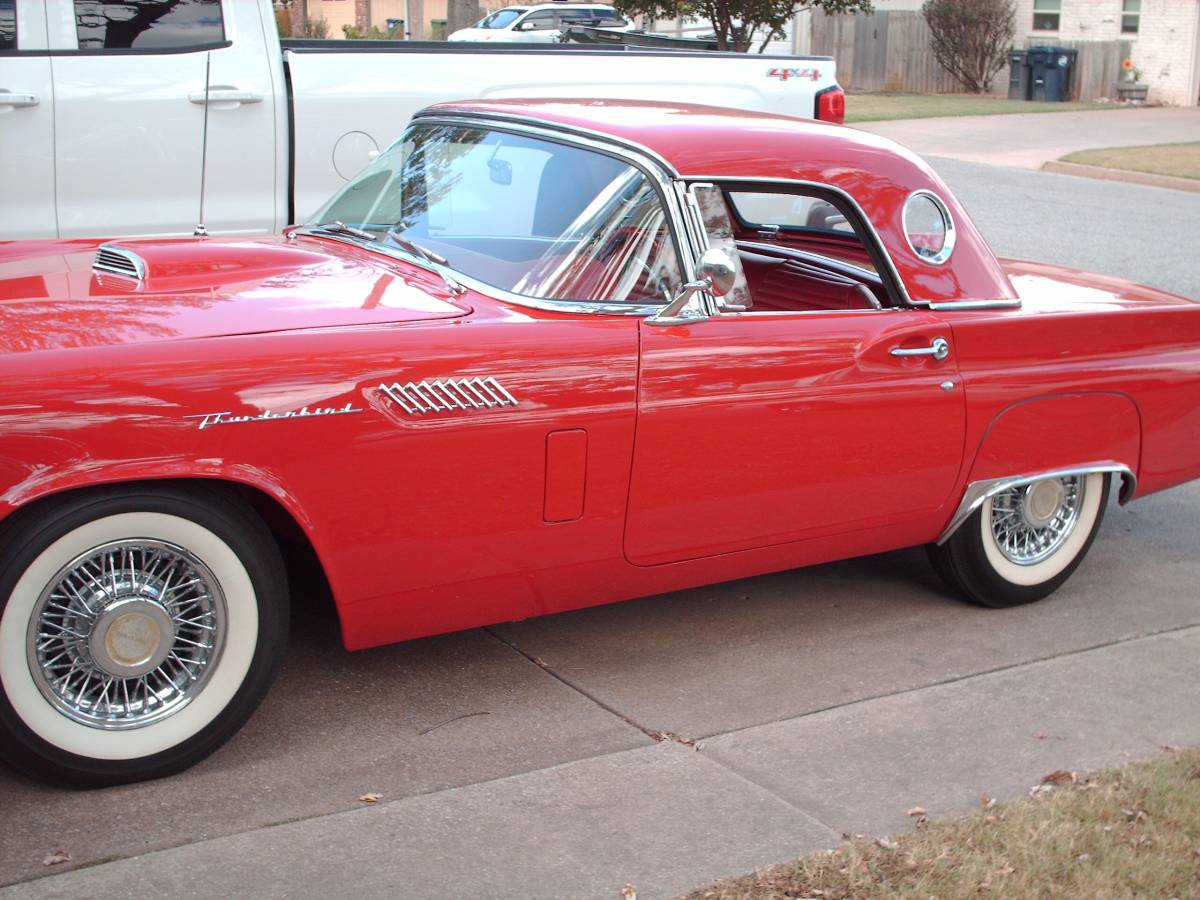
(26, 123)
(129, 114)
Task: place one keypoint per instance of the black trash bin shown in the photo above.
(1019, 82)
(1051, 71)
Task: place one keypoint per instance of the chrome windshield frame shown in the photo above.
(656, 170)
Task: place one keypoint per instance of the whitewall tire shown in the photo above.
(1023, 543)
(139, 629)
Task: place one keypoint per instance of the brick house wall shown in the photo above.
(1166, 47)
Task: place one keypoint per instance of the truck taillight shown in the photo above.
(831, 105)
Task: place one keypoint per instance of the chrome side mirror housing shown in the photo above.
(718, 273)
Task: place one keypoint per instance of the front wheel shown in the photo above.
(139, 629)
(1024, 542)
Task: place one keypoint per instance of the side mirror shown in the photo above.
(717, 276)
(719, 271)
(524, 26)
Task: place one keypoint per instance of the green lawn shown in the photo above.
(1129, 833)
(1180, 160)
(875, 107)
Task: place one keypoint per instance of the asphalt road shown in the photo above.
(1147, 234)
(517, 761)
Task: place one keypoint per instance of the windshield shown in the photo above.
(501, 19)
(530, 216)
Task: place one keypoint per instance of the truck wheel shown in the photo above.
(139, 629)
(1023, 543)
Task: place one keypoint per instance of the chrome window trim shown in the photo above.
(891, 273)
(979, 491)
(654, 167)
(947, 250)
(541, 125)
(490, 290)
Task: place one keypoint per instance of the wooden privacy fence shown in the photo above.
(1097, 68)
(890, 51)
(882, 51)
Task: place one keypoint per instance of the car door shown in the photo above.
(130, 119)
(781, 424)
(26, 123)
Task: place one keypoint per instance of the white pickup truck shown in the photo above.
(102, 108)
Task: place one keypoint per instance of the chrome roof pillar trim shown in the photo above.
(978, 492)
(890, 274)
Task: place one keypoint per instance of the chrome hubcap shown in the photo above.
(127, 633)
(1031, 522)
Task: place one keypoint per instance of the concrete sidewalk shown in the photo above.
(1029, 141)
(670, 817)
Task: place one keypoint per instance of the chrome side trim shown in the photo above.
(979, 491)
(119, 261)
(448, 394)
(891, 276)
(951, 305)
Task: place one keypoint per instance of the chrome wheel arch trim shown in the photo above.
(978, 492)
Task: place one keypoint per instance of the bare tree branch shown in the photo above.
(971, 38)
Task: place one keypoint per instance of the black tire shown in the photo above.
(248, 576)
(976, 571)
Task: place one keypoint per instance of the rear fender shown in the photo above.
(1054, 436)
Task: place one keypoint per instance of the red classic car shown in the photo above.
(539, 355)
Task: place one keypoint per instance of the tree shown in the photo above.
(738, 22)
(971, 38)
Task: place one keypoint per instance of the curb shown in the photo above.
(1105, 174)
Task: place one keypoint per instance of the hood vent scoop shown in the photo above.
(116, 261)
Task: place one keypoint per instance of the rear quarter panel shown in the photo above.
(1048, 390)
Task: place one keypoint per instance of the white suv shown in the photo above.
(540, 23)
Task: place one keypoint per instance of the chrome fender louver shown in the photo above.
(117, 261)
(446, 395)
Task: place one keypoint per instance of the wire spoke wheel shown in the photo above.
(1032, 522)
(1023, 542)
(127, 633)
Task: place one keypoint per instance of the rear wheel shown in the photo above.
(139, 629)
(1024, 542)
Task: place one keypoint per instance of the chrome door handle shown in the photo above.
(225, 95)
(8, 98)
(939, 350)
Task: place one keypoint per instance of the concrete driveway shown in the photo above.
(517, 761)
(672, 740)
(1028, 141)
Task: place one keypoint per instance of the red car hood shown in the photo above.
(1046, 288)
(50, 297)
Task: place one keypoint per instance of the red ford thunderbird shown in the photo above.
(539, 355)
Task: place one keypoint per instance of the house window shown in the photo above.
(1131, 13)
(1046, 14)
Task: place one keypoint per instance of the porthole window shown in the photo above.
(928, 227)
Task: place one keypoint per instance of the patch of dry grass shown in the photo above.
(1180, 160)
(877, 107)
(1130, 832)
